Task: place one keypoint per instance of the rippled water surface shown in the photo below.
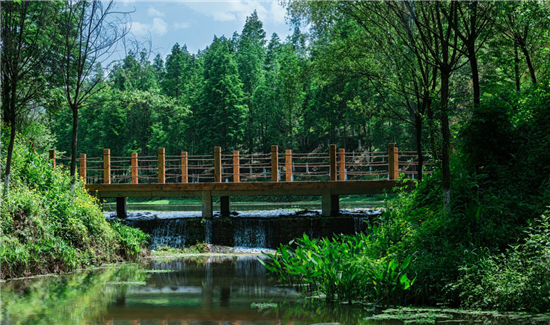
(191, 290)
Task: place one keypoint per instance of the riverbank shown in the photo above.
(47, 227)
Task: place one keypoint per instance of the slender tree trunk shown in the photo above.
(431, 128)
(12, 119)
(418, 126)
(446, 135)
(475, 74)
(74, 145)
(9, 156)
(516, 68)
(529, 64)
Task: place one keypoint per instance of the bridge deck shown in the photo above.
(328, 190)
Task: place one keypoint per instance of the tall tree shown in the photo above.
(222, 110)
(435, 21)
(473, 26)
(250, 60)
(89, 32)
(525, 24)
(27, 34)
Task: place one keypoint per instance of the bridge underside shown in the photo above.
(328, 190)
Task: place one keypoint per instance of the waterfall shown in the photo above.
(208, 231)
(251, 233)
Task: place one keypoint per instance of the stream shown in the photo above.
(202, 289)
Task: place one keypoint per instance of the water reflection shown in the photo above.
(209, 290)
(194, 290)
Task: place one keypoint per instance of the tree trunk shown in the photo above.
(529, 64)
(418, 126)
(472, 57)
(446, 135)
(9, 156)
(431, 128)
(516, 68)
(74, 144)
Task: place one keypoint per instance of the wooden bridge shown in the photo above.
(328, 175)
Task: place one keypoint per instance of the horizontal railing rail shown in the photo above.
(234, 167)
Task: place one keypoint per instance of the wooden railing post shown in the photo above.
(236, 167)
(184, 167)
(393, 162)
(83, 167)
(134, 167)
(52, 157)
(274, 163)
(396, 159)
(218, 164)
(162, 166)
(332, 158)
(106, 166)
(342, 165)
(288, 165)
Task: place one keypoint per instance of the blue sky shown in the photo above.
(195, 23)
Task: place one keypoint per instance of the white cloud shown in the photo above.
(230, 11)
(181, 25)
(139, 29)
(154, 12)
(159, 27)
(277, 13)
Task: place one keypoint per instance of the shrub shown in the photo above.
(46, 227)
(519, 279)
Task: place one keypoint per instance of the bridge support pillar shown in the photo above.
(121, 207)
(225, 206)
(330, 204)
(206, 197)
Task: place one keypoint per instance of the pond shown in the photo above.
(204, 289)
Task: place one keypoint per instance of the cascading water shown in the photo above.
(208, 231)
(244, 231)
(250, 233)
(171, 233)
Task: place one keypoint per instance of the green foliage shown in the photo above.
(222, 111)
(46, 227)
(344, 268)
(518, 279)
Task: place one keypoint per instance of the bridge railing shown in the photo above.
(276, 166)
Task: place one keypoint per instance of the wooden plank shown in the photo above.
(396, 159)
(162, 166)
(392, 162)
(342, 165)
(236, 167)
(52, 157)
(134, 165)
(217, 164)
(252, 186)
(184, 167)
(332, 158)
(274, 163)
(82, 169)
(106, 166)
(242, 189)
(288, 165)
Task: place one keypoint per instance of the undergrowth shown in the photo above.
(47, 227)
